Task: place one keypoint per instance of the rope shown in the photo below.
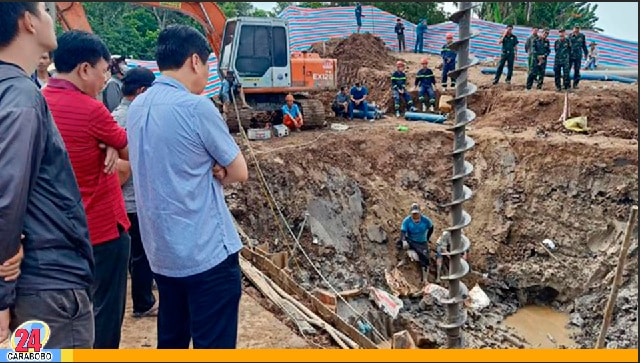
(272, 200)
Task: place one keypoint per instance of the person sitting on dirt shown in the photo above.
(416, 231)
(292, 117)
(399, 81)
(449, 61)
(340, 106)
(231, 84)
(358, 100)
(425, 83)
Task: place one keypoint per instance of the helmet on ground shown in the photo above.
(449, 36)
(424, 61)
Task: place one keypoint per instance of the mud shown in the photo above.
(542, 327)
(532, 181)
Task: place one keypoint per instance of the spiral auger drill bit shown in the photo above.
(459, 244)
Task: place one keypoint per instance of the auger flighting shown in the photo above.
(456, 316)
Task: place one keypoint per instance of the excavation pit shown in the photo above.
(356, 186)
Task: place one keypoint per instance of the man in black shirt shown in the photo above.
(399, 29)
(509, 43)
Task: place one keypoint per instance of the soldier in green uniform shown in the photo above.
(546, 46)
(562, 50)
(579, 51)
(528, 46)
(509, 43)
(538, 54)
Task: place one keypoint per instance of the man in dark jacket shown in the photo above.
(40, 198)
(425, 83)
(399, 83)
(399, 29)
(449, 61)
(578, 51)
(358, 13)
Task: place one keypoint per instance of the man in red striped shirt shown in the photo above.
(81, 61)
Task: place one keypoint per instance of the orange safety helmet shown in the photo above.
(449, 36)
(424, 61)
(400, 63)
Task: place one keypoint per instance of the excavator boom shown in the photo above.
(72, 16)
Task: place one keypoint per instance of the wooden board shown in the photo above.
(282, 278)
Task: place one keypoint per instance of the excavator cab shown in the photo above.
(257, 50)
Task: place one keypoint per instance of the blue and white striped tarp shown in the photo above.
(213, 83)
(308, 26)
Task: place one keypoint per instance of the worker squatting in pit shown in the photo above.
(416, 234)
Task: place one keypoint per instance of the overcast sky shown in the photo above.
(619, 19)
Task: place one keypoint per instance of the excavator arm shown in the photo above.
(72, 16)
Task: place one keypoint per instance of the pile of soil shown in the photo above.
(609, 113)
(361, 57)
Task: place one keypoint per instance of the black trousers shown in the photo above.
(202, 307)
(142, 279)
(575, 64)
(505, 58)
(401, 42)
(110, 290)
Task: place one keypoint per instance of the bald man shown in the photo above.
(292, 117)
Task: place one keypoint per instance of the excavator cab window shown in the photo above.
(228, 43)
(261, 47)
(281, 50)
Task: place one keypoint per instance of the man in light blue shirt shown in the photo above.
(176, 137)
(416, 231)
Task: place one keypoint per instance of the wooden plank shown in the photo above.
(282, 279)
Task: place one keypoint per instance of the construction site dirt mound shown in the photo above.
(361, 57)
(609, 113)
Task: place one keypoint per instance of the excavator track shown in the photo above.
(313, 113)
(261, 114)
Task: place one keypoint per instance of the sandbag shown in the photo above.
(444, 105)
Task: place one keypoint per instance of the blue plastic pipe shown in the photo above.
(595, 76)
(360, 114)
(428, 117)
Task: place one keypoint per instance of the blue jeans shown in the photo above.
(429, 91)
(591, 63)
(202, 307)
(418, 46)
(397, 98)
(362, 106)
(447, 68)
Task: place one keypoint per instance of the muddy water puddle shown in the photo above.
(542, 327)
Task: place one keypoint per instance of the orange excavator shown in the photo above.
(256, 49)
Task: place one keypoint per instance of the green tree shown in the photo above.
(554, 15)
(411, 11)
